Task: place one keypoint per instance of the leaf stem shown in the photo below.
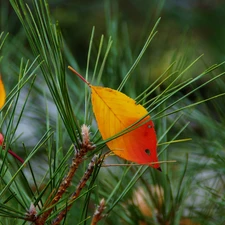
(15, 156)
(79, 75)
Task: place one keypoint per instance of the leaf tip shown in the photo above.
(159, 169)
(2, 93)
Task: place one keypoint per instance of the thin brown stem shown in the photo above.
(76, 161)
(79, 75)
(63, 186)
(76, 194)
(98, 213)
(9, 151)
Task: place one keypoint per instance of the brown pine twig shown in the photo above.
(86, 146)
(31, 214)
(79, 188)
(98, 213)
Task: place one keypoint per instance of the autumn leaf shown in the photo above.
(115, 112)
(2, 102)
(2, 93)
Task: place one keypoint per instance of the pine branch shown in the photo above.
(98, 213)
(86, 146)
(79, 188)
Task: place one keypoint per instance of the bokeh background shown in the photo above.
(187, 29)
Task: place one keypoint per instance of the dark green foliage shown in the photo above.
(143, 56)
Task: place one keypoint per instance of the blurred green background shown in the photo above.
(187, 29)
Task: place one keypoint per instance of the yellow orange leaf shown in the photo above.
(114, 112)
(2, 93)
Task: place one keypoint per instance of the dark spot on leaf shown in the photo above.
(148, 151)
